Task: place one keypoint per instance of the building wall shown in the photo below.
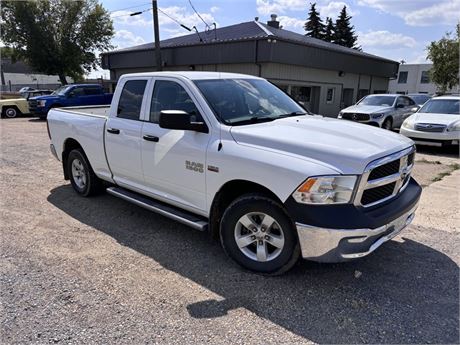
(320, 82)
(414, 81)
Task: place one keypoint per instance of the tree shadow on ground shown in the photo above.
(406, 293)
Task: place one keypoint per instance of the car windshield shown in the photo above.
(378, 100)
(442, 106)
(61, 91)
(246, 101)
(420, 99)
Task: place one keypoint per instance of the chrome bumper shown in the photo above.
(335, 245)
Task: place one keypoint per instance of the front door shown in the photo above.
(174, 161)
(123, 135)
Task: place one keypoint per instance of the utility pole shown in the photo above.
(156, 33)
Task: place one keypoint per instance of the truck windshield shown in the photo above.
(378, 100)
(246, 101)
(61, 90)
(442, 106)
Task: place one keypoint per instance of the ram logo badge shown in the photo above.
(194, 166)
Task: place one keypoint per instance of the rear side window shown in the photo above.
(129, 105)
(92, 91)
(169, 95)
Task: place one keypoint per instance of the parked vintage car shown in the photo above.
(18, 106)
(70, 96)
(381, 110)
(419, 98)
(437, 123)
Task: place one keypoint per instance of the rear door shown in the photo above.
(123, 137)
(174, 161)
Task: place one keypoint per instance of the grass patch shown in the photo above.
(451, 168)
(426, 161)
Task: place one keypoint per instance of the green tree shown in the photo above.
(329, 31)
(314, 25)
(57, 37)
(344, 34)
(445, 55)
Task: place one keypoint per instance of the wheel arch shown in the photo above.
(69, 145)
(229, 192)
(5, 107)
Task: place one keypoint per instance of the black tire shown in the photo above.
(11, 112)
(285, 257)
(92, 184)
(387, 124)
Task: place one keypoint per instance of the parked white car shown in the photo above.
(437, 123)
(387, 111)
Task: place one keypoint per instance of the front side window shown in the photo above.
(441, 106)
(402, 78)
(92, 91)
(169, 95)
(129, 105)
(246, 101)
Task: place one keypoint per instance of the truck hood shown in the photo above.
(442, 119)
(343, 145)
(12, 100)
(45, 97)
(367, 109)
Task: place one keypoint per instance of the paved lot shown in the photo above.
(100, 270)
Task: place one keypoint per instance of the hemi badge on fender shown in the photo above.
(213, 168)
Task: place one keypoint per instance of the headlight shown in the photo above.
(326, 190)
(41, 103)
(377, 116)
(340, 115)
(454, 127)
(408, 123)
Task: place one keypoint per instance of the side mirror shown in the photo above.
(71, 94)
(415, 109)
(179, 119)
(400, 105)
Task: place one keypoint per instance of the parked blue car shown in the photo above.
(69, 96)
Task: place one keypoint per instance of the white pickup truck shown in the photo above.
(234, 155)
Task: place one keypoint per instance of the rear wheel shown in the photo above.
(258, 234)
(82, 176)
(11, 112)
(387, 124)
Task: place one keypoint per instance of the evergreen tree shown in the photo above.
(344, 32)
(329, 32)
(314, 26)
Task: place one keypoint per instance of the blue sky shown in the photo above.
(395, 29)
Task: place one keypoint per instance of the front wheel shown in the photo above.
(82, 176)
(257, 233)
(387, 124)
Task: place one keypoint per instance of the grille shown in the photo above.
(430, 127)
(385, 177)
(355, 116)
(32, 106)
(378, 193)
(384, 170)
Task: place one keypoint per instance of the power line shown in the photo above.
(193, 7)
(127, 8)
(175, 20)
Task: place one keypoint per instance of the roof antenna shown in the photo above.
(196, 30)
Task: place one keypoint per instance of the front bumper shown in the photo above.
(432, 138)
(335, 245)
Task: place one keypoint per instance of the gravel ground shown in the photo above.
(100, 270)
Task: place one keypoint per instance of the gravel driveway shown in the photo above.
(100, 270)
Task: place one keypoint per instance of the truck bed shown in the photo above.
(92, 110)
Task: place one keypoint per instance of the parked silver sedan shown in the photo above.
(382, 110)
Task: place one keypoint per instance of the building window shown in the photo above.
(402, 78)
(301, 94)
(425, 79)
(362, 93)
(330, 95)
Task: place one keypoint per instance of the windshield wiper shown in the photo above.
(294, 113)
(254, 119)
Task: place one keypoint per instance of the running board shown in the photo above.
(181, 216)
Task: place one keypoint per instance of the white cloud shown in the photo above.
(332, 10)
(385, 40)
(214, 9)
(125, 38)
(290, 23)
(419, 12)
(181, 14)
(124, 18)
